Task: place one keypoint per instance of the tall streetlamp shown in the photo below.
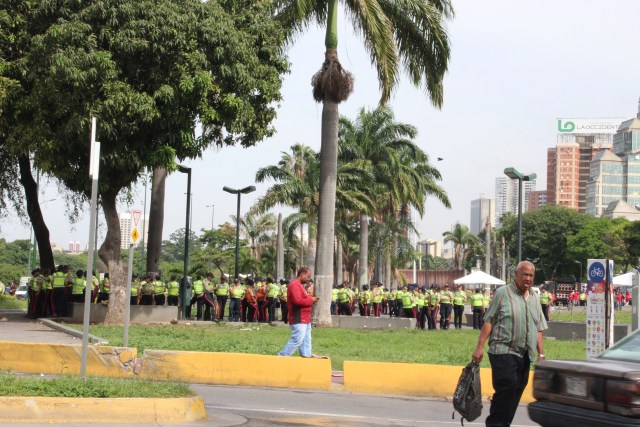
(213, 210)
(244, 190)
(185, 286)
(514, 174)
(580, 274)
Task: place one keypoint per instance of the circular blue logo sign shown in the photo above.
(596, 272)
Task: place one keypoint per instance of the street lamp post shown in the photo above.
(213, 210)
(514, 174)
(185, 285)
(244, 190)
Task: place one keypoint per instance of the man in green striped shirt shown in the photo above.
(513, 323)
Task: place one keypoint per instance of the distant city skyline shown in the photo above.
(515, 68)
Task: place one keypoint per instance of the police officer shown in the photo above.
(59, 298)
(146, 291)
(158, 291)
(364, 301)
(222, 295)
(477, 308)
(284, 307)
(134, 297)
(273, 290)
(235, 293)
(173, 291)
(459, 299)
(434, 303)
(545, 299)
(344, 300)
(105, 289)
(78, 287)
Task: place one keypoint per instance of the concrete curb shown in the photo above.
(97, 410)
(70, 331)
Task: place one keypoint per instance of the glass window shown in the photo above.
(627, 349)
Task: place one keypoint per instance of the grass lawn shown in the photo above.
(452, 347)
(579, 314)
(8, 302)
(71, 386)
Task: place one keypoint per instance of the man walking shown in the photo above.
(300, 301)
(513, 323)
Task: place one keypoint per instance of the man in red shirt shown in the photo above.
(299, 303)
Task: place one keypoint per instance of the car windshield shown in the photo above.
(627, 349)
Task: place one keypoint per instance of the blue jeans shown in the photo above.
(300, 338)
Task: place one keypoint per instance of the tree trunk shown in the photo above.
(156, 220)
(279, 250)
(326, 212)
(387, 271)
(312, 248)
(363, 261)
(338, 278)
(110, 253)
(40, 229)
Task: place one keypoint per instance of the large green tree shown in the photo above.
(462, 240)
(408, 33)
(148, 69)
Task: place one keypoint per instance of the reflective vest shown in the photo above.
(544, 298)
(78, 285)
(434, 298)
(377, 296)
(274, 289)
(419, 301)
(583, 296)
(405, 297)
(486, 300)
(174, 288)
(459, 298)
(365, 297)
(46, 283)
(159, 287)
(476, 300)
(146, 288)
(222, 289)
(135, 286)
(105, 286)
(334, 294)
(343, 295)
(34, 283)
(283, 293)
(58, 279)
(236, 291)
(445, 297)
(198, 287)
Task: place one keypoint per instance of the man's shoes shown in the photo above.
(316, 356)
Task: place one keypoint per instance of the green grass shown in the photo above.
(452, 347)
(69, 386)
(8, 302)
(579, 314)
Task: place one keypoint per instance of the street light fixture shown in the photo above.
(579, 275)
(213, 210)
(245, 190)
(185, 285)
(514, 174)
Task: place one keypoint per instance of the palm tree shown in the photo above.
(257, 229)
(462, 240)
(410, 32)
(401, 174)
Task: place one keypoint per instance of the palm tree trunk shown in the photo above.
(40, 230)
(326, 212)
(312, 248)
(279, 250)
(338, 275)
(363, 262)
(156, 220)
(110, 253)
(387, 271)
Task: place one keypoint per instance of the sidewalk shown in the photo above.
(16, 327)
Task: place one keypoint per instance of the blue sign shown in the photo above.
(596, 272)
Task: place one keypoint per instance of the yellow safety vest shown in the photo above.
(78, 285)
(174, 288)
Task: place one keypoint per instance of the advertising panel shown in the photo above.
(599, 313)
(604, 125)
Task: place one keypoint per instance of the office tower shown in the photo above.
(507, 197)
(481, 209)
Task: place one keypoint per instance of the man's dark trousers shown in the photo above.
(510, 375)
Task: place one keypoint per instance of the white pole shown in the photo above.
(413, 232)
(94, 170)
(127, 304)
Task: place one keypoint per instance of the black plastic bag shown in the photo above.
(467, 399)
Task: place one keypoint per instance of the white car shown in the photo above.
(21, 292)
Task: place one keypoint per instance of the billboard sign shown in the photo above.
(606, 125)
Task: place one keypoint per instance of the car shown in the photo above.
(603, 391)
(21, 292)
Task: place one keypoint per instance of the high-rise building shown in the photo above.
(569, 162)
(615, 175)
(507, 197)
(537, 199)
(127, 226)
(481, 209)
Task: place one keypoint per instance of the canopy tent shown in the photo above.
(625, 279)
(479, 278)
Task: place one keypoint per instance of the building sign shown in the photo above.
(599, 328)
(607, 125)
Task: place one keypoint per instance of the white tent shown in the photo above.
(479, 278)
(625, 279)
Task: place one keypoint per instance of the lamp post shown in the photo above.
(245, 190)
(185, 286)
(514, 174)
(213, 210)
(580, 274)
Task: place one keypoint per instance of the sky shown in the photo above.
(515, 67)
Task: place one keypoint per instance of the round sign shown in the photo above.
(596, 272)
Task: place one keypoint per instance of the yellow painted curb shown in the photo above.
(95, 410)
(411, 379)
(59, 359)
(237, 369)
